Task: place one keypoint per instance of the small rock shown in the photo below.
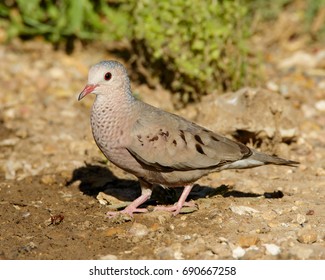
(162, 216)
(301, 252)
(105, 199)
(9, 142)
(269, 215)
(308, 236)
(301, 219)
(108, 257)
(172, 252)
(113, 202)
(246, 241)
(254, 253)
(243, 210)
(28, 247)
(320, 105)
(222, 250)
(302, 59)
(238, 252)
(139, 230)
(56, 73)
(272, 86)
(22, 133)
(26, 214)
(320, 171)
(48, 179)
(272, 249)
(195, 247)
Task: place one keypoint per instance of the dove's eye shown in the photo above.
(108, 76)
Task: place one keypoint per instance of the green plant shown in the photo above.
(58, 20)
(196, 47)
(315, 18)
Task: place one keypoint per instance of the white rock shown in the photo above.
(300, 59)
(238, 252)
(138, 229)
(272, 86)
(108, 257)
(320, 105)
(272, 249)
(301, 219)
(9, 142)
(243, 210)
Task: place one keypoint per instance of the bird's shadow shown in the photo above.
(98, 178)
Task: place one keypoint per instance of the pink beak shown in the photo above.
(88, 89)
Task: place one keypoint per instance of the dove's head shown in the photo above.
(107, 78)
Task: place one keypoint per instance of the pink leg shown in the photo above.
(133, 207)
(180, 203)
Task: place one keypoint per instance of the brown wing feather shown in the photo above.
(166, 142)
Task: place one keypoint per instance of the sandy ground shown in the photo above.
(55, 186)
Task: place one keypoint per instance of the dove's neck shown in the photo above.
(111, 118)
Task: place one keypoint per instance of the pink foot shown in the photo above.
(175, 209)
(132, 208)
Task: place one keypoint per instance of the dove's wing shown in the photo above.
(163, 141)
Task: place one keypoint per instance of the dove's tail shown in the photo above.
(268, 159)
(258, 159)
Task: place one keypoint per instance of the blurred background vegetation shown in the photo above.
(191, 47)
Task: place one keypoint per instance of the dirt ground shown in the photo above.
(56, 186)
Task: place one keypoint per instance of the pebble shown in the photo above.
(307, 236)
(301, 252)
(172, 252)
(139, 230)
(48, 179)
(28, 247)
(269, 215)
(105, 199)
(238, 252)
(320, 105)
(246, 241)
(272, 249)
(9, 142)
(222, 250)
(56, 73)
(301, 219)
(243, 210)
(108, 257)
(195, 247)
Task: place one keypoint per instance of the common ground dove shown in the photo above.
(156, 146)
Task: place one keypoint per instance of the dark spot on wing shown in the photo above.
(214, 138)
(175, 142)
(198, 138)
(183, 136)
(163, 134)
(199, 149)
(155, 138)
(140, 139)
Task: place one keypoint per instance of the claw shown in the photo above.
(132, 208)
(176, 208)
